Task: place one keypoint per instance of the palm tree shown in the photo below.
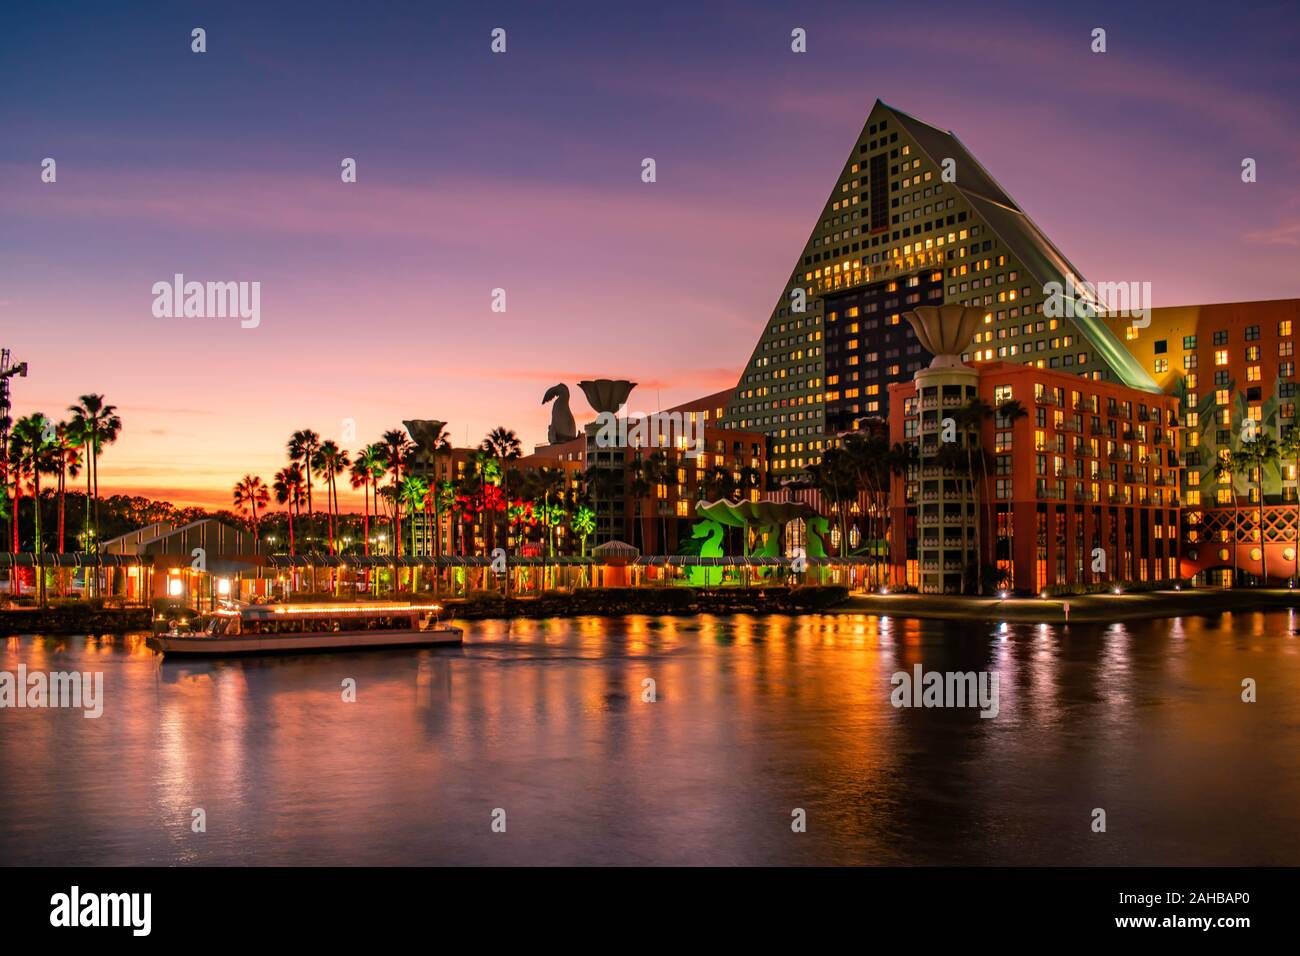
(868, 456)
(441, 446)
(413, 492)
(746, 480)
(583, 524)
(250, 494)
(640, 485)
(398, 449)
(901, 459)
(1230, 464)
(661, 472)
(16, 457)
(67, 444)
(398, 446)
(289, 492)
(1289, 450)
(1258, 455)
(96, 424)
(835, 479)
(302, 448)
(503, 445)
(548, 482)
(331, 461)
(37, 454)
(367, 468)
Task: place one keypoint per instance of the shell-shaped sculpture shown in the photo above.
(424, 432)
(605, 394)
(945, 330)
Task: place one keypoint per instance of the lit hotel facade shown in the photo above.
(913, 219)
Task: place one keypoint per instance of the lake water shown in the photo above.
(754, 718)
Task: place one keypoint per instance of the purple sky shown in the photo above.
(522, 170)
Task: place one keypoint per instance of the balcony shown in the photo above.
(867, 274)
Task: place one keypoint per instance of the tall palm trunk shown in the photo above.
(37, 550)
(1263, 544)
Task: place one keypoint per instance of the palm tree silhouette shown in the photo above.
(250, 494)
(97, 424)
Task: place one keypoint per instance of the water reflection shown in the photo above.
(753, 716)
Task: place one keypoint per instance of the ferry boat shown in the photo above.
(293, 628)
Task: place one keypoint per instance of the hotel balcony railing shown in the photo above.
(1045, 399)
(1083, 496)
(874, 272)
(1085, 406)
(1069, 427)
(1144, 415)
(1097, 430)
(952, 401)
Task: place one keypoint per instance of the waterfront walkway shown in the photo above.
(1090, 608)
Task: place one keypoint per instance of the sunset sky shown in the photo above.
(522, 171)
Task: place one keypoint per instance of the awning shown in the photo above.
(74, 559)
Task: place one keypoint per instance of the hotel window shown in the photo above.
(1162, 365)
(1252, 353)
(1252, 373)
(1284, 327)
(1189, 342)
(1285, 348)
(1221, 337)
(1252, 333)
(1220, 356)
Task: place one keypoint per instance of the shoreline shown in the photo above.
(1084, 608)
(619, 602)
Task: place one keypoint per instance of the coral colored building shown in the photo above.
(1081, 489)
(1228, 362)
